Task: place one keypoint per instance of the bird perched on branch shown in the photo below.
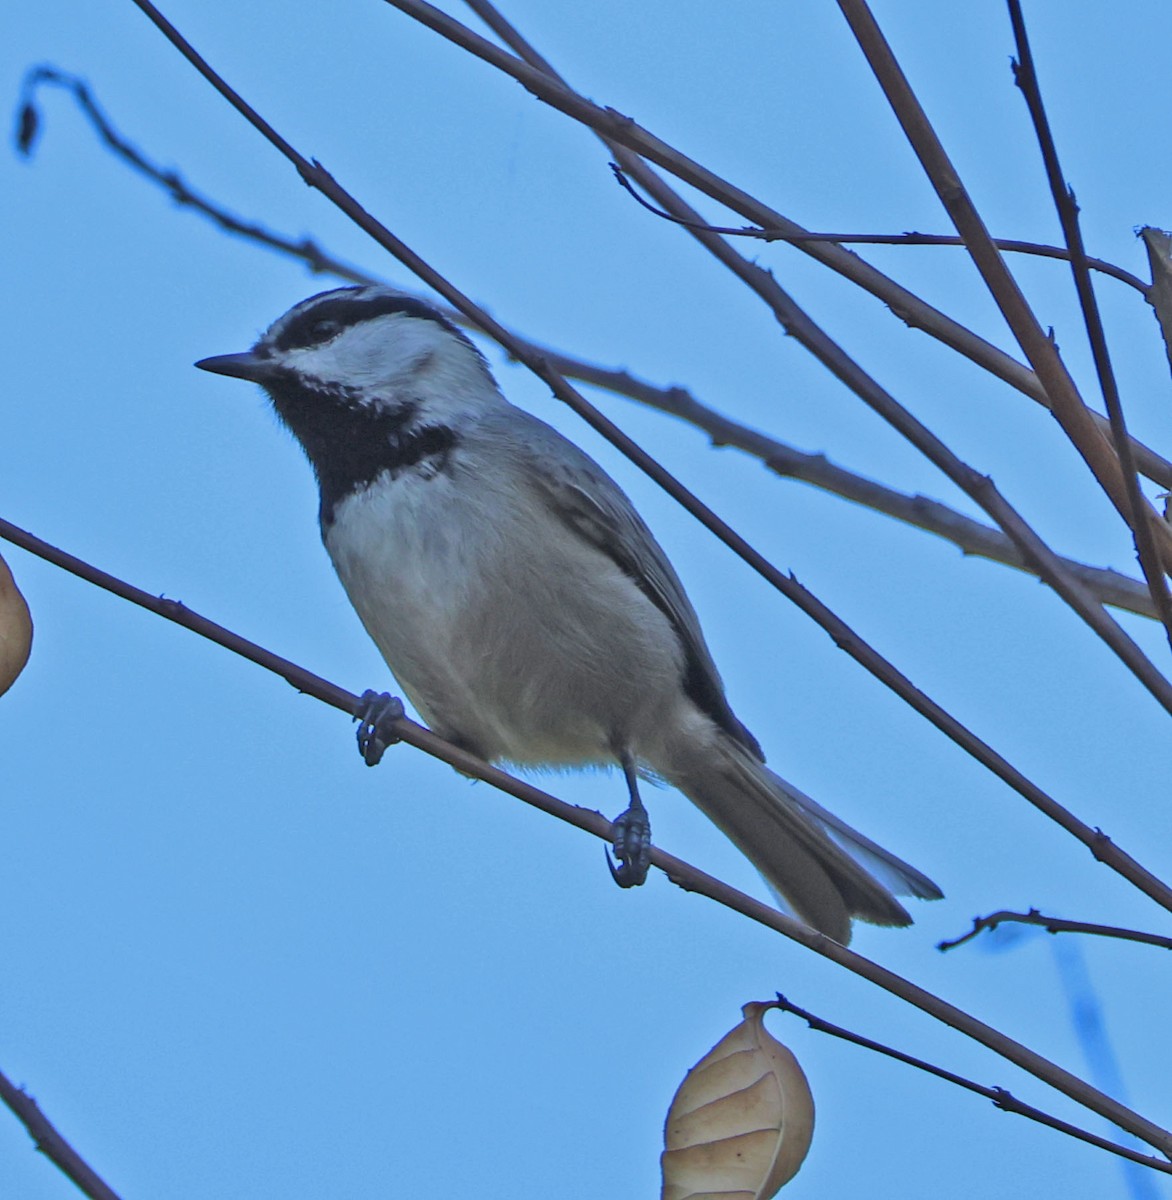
(520, 601)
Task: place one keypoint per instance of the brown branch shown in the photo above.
(798, 324)
(51, 1144)
(922, 512)
(1066, 404)
(844, 637)
(170, 180)
(971, 536)
(679, 872)
(1064, 201)
(1056, 925)
(320, 263)
(1002, 1099)
(615, 127)
(910, 238)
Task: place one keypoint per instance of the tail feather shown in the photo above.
(897, 876)
(807, 855)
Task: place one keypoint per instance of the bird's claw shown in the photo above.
(376, 716)
(632, 847)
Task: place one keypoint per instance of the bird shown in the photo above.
(520, 601)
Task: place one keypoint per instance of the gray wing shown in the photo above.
(591, 504)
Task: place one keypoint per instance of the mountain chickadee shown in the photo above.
(520, 601)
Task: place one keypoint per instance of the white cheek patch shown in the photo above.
(379, 353)
(398, 362)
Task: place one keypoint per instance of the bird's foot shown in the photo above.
(376, 717)
(632, 847)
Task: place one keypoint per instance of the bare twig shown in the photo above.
(51, 1144)
(844, 637)
(1055, 925)
(798, 324)
(1066, 404)
(1064, 201)
(615, 127)
(971, 536)
(910, 238)
(1002, 1099)
(679, 872)
(170, 180)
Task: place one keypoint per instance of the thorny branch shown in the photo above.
(1137, 509)
(51, 1144)
(1002, 1099)
(679, 872)
(973, 537)
(1055, 925)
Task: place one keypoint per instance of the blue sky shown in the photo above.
(237, 963)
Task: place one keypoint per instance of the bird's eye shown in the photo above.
(323, 330)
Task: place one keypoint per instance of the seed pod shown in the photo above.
(16, 629)
(741, 1123)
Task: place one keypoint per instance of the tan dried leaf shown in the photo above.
(16, 629)
(1159, 246)
(741, 1123)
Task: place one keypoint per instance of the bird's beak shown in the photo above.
(239, 366)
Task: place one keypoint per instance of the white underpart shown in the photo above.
(501, 625)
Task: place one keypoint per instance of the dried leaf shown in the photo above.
(1159, 246)
(26, 130)
(16, 629)
(741, 1123)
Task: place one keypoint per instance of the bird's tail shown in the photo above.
(821, 868)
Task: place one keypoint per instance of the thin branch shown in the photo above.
(1055, 925)
(679, 872)
(170, 180)
(615, 127)
(971, 536)
(798, 324)
(1066, 404)
(842, 634)
(1002, 1099)
(1064, 201)
(910, 238)
(51, 1144)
